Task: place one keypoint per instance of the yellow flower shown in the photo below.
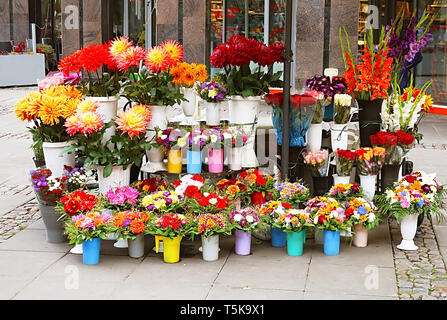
(175, 51)
(131, 122)
(212, 93)
(50, 110)
(201, 73)
(87, 105)
(69, 108)
(181, 142)
(119, 46)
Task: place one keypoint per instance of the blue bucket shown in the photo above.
(194, 164)
(295, 243)
(90, 251)
(331, 242)
(279, 237)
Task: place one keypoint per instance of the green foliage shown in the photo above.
(108, 85)
(77, 236)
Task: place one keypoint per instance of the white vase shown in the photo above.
(53, 159)
(77, 249)
(235, 158)
(341, 180)
(156, 155)
(121, 243)
(119, 177)
(368, 183)
(339, 136)
(108, 109)
(189, 107)
(243, 111)
(408, 226)
(212, 113)
(210, 248)
(314, 137)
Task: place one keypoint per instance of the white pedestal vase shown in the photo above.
(77, 249)
(189, 107)
(119, 177)
(156, 155)
(212, 113)
(108, 109)
(339, 136)
(235, 158)
(243, 111)
(341, 180)
(210, 248)
(408, 226)
(53, 159)
(368, 183)
(314, 136)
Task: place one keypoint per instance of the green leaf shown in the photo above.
(108, 170)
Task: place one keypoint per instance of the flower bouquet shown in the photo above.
(345, 192)
(170, 228)
(121, 198)
(294, 222)
(77, 178)
(76, 202)
(272, 210)
(342, 108)
(213, 94)
(233, 189)
(344, 162)
(187, 180)
(88, 230)
(210, 226)
(318, 163)
(46, 112)
(396, 145)
(293, 193)
(328, 215)
(415, 194)
(161, 202)
(369, 164)
(130, 225)
(244, 222)
(361, 214)
(211, 203)
(301, 114)
(260, 185)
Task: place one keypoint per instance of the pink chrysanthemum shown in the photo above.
(131, 57)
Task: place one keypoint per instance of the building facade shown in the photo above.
(201, 25)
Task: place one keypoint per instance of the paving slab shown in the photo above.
(33, 240)
(353, 280)
(441, 234)
(221, 292)
(308, 295)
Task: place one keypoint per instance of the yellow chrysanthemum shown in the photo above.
(28, 107)
(119, 46)
(87, 105)
(50, 109)
(143, 110)
(59, 90)
(69, 108)
(132, 123)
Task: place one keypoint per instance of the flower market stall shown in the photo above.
(203, 177)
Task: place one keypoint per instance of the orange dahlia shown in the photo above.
(87, 105)
(89, 121)
(157, 59)
(175, 51)
(131, 122)
(119, 46)
(50, 109)
(188, 77)
(177, 73)
(131, 57)
(201, 73)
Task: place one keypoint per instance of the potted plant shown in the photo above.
(170, 228)
(369, 163)
(294, 222)
(396, 146)
(213, 94)
(88, 230)
(368, 81)
(361, 214)
(294, 193)
(344, 162)
(234, 190)
(417, 193)
(125, 147)
(244, 222)
(210, 226)
(246, 85)
(328, 215)
(342, 113)
(269, 212)
(46, 112)
(260, 185)
(186, 75)
(130, 226)
(318, 163)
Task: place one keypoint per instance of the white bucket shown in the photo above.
(53, 159)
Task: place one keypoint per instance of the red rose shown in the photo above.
(404, 138)
(321, 219)
(198, 177)
(349, 212)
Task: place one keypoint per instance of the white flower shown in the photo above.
(249, 219)
(237, 217)
(342, 100)
(371, 217)
(213, 201)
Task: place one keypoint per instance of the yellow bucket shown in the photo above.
(175, 161)
(171, 248)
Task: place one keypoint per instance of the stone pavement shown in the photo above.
(35, 269)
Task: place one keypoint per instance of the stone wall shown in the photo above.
(19, 30)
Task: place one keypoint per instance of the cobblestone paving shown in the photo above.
(10, 190)
(421, 274)
(18, 219)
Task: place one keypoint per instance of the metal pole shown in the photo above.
(286, 92)
(246, 20)
(148, 24)
(126, 18)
